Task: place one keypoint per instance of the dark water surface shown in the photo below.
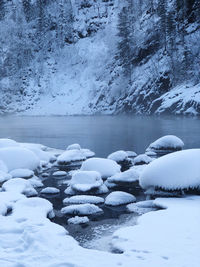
(102, 134)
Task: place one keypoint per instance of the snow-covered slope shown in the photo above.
(103, 56)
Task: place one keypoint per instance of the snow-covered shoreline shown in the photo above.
(166, 237)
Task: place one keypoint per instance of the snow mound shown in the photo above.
(142, 207)
(119, 198)
(22, 173)
(19, 158)
(83, 181)
(19, 185)
(70, 156)
(50, 190)
(82, 209)
(3, 166)
(59, 173)
(142, 159)
(78, 220)
(106, 167)
(36, 182)
(42, 155)
(131, 154)
(83, 199)
(74, 146)
(118, 156)
(177, 170)
(28, 208)
(128, 176)
(166, 144)
(5, 142)
(87, 153)
(4, 176)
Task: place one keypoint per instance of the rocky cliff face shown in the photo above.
(102, 56)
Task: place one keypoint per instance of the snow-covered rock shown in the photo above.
(74, 146)
(78, 220)
(4, 176)
(126, 177)
(19, 185)
(70, 156)
(106, 167)
(118, 156)
(81, 209)
(22, 173)
(131, 154)
(142, 159)
(36, 182)
(84, 181)
(59, 173)
(19, 158)
(42, 155)
(83, 199)
(166, 144)
(178, 170)
(5, 142)
(50, 190)
(87, 153)
(142, 207)
(119, 198)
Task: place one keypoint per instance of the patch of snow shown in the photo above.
(50, 190)
(81, 209)
(19, 158)
(3, 166)
(142, 159)
(177, 170)
(5, 142)
(78, 220)
(4, 176)
(70, 156)
(36, 182)
(106, 167)
(83, 199)
(131, 154)
(128, 176)
(118, 156)
(21, 173)
(20, 186)
(59, 173)
(74, 147)
(119, 198)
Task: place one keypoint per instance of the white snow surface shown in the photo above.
(119, 198)
(83, 199)
(177, 170)
(50, 190)
(74, 146)
(4, 176)
(81, 209)
(78, 220)
(128, 176)
(71, 155)
(3, 166)
(21, 173)
(142, 159)
(19, 158)
(167, 142)
(118, 155)
(106, 167)
(168, 237)
(59, 173)
(84, 181)
(20, 186)
(5, 142)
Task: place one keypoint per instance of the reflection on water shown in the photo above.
(102, 134)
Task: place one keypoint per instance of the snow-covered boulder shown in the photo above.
(83, 199)
(142, 207)
(142, 159)
(78, 220)
(166, 144)
(50, 190)
(117, 156)
(22, 173)
(86, 181)
(5, 142)
(19, 158)
(106, 167)
(81, 209)
(59, 173)
(119, 198)
(178, 170)
(4, 176)
(19, 185)
(70, 156)
(131, 154)
(36, 182)
(121, 157)
(74, 146)
(87, 153)
(123, 178)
